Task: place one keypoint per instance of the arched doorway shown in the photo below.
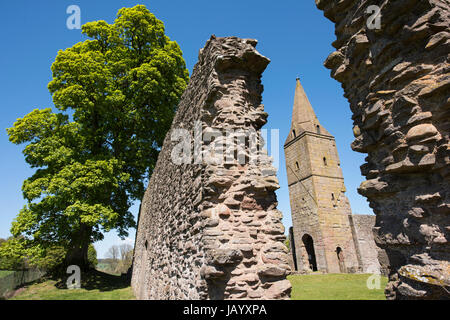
(309, 247)
(340, 256)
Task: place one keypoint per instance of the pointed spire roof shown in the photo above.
(303, 116)
(302, 111)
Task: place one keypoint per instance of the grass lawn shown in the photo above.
(335, 287)
(101, 286)
(4, 273)
(94, 286)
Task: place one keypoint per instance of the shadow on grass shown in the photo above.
(96, 280)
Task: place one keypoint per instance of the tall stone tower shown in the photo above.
(321, 214)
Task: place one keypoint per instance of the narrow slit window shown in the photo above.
(318, 129)
(293, 133)
(325, 161)
(296, 165)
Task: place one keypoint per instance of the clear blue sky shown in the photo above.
(294, 34)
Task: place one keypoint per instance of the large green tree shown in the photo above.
(115, 95)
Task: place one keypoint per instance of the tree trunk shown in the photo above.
(77, 254)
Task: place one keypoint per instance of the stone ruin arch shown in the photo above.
(309, 252)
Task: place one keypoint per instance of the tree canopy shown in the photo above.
(115, 96)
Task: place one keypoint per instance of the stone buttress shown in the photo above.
(211, 230)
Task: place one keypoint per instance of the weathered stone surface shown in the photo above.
(369, 253)
(404, 69)
(224, 256)
(204, 227)
(268, 270)
(420, 131)
(279, 289)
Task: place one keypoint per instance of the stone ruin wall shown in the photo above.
(212, 231)
(397, 81)
(369, 253)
